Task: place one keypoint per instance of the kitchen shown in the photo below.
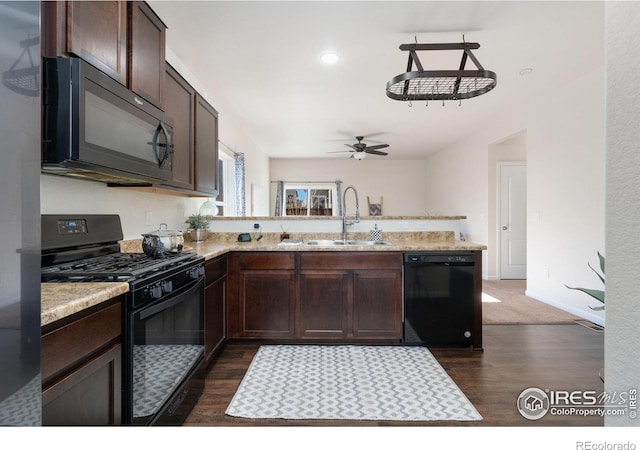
(463, 199)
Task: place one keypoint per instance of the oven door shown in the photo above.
(165, 373)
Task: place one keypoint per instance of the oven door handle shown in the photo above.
(176, 297)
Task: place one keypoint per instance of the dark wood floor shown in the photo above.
(515, 357)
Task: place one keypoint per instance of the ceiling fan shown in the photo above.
(360, 149)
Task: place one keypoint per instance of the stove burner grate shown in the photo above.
(113, 267)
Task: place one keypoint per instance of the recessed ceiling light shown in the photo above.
(526, 71)
(329, 58)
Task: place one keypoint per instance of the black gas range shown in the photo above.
(163, 319)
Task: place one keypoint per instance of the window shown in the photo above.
(225, 201)
(310, 199)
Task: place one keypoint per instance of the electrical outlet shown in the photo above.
(421, 226)
(148, 217)
(547, 274)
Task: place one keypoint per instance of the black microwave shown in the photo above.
(95, 128)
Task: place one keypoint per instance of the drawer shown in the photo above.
(215, 269)
(76, 341)
(350, 260)
(264, 261)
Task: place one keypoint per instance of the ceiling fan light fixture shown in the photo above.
(359, 155)
(442, 85)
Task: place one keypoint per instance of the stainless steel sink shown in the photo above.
(340, 242)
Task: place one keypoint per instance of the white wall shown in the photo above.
(622, 364)
(566, 190)
(401, 184)
(62, 195)
(565, 184)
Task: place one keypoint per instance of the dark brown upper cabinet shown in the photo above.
(206, 147)
(146, 52)
(179, 104)
(125, 40)
(93, 31)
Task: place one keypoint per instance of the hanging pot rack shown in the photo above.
(24, 80)
(442, 85)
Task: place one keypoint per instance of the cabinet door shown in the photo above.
(214, 322)
(146, 52)
(377, 304)
(323, 304)
(178, 100)
(266, 303)
(206, 147)
(215, 307)
(94, 31)
(90, 395)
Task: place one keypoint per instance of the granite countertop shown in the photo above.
(211, 250)
(59, 300)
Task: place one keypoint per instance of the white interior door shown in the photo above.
(513, 221)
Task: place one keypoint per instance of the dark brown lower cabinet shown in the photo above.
(215, 330)
(350, 295)
(82, 368)
(377, 304)
(266, 304)
(324, 304)
(315, 295)
(89, 395)
(260, 295)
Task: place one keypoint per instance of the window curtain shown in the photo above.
(240, 187)
(279, 199)
(338, 201)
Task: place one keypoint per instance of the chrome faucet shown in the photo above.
(356, 218)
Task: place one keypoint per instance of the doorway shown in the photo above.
(512, 220)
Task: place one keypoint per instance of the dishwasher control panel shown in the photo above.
(437, 257)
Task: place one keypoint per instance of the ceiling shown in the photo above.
(260, 64)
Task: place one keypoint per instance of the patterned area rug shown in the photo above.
(349, 382)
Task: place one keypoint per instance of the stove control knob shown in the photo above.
(167, 286)
(196, 272)
(154, 291)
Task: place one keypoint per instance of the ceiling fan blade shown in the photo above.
(342, 151)
(352, 146)
(376, 147)
(375, 152)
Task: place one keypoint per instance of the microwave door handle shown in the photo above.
(168, 148)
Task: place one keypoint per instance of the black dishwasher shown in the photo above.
(438, 298)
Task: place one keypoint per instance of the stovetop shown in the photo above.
(115, 267)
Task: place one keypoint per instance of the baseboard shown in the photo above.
(571, 310)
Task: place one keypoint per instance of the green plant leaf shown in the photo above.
(596, 272)
(601, 258)
(595, 293)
